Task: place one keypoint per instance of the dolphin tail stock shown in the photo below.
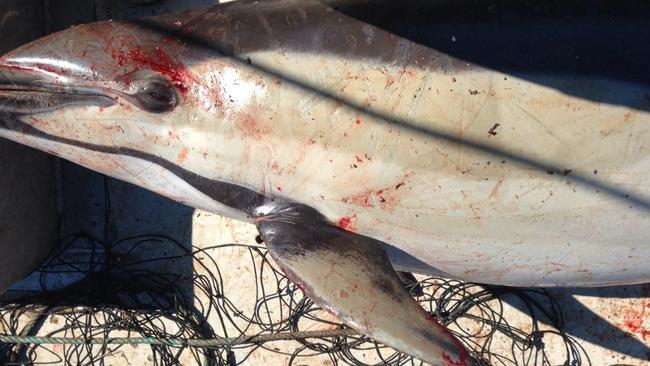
(351, 276)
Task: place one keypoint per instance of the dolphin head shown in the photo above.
(120, 68)
(92, 93)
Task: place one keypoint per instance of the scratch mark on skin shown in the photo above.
(265, 23)
(464, 125)
(495, 190)
(475, 211)
(544, 126)
(142, 171)
(629, 145)
(418, 97)
(543, 202)
(530, 190)
(461, 147)
(478, 114)
(126, 169)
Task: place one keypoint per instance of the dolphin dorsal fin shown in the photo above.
(351, 276)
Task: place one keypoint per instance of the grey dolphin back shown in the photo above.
(351, 276)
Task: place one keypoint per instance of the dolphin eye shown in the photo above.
(156, 96)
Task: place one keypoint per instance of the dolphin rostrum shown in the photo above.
(498, 142)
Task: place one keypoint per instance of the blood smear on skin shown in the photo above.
(346, 223)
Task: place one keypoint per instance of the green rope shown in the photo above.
(179, 342)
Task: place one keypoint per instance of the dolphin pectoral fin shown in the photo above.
(351, 276)
(410, 283)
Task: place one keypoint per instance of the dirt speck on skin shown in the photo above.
(473, 92)
(493, 130)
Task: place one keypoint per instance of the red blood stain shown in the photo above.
(449, 362)
(358, 121)
(346, 223)
(311, 141)
(215, 92)
(163, 64)
(36, 122)
(360, 199)
(182, 155)
(48, 68)
(275, 167)
(173, 135)
(389, 81)
(251, 127)
(379, 194)
(387, 197)
(299, 285)
(633, 322)
(118, 56)
(16, 67)
(359, 160)
(462, 353)
(156, 60)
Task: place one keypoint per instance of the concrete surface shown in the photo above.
(28, 212)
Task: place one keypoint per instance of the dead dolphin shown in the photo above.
(345, 128)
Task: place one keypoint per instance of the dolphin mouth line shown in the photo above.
(25, 93)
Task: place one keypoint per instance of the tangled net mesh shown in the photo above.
(152, 287)
(121, 295)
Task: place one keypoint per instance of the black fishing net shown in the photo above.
(132, 289)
